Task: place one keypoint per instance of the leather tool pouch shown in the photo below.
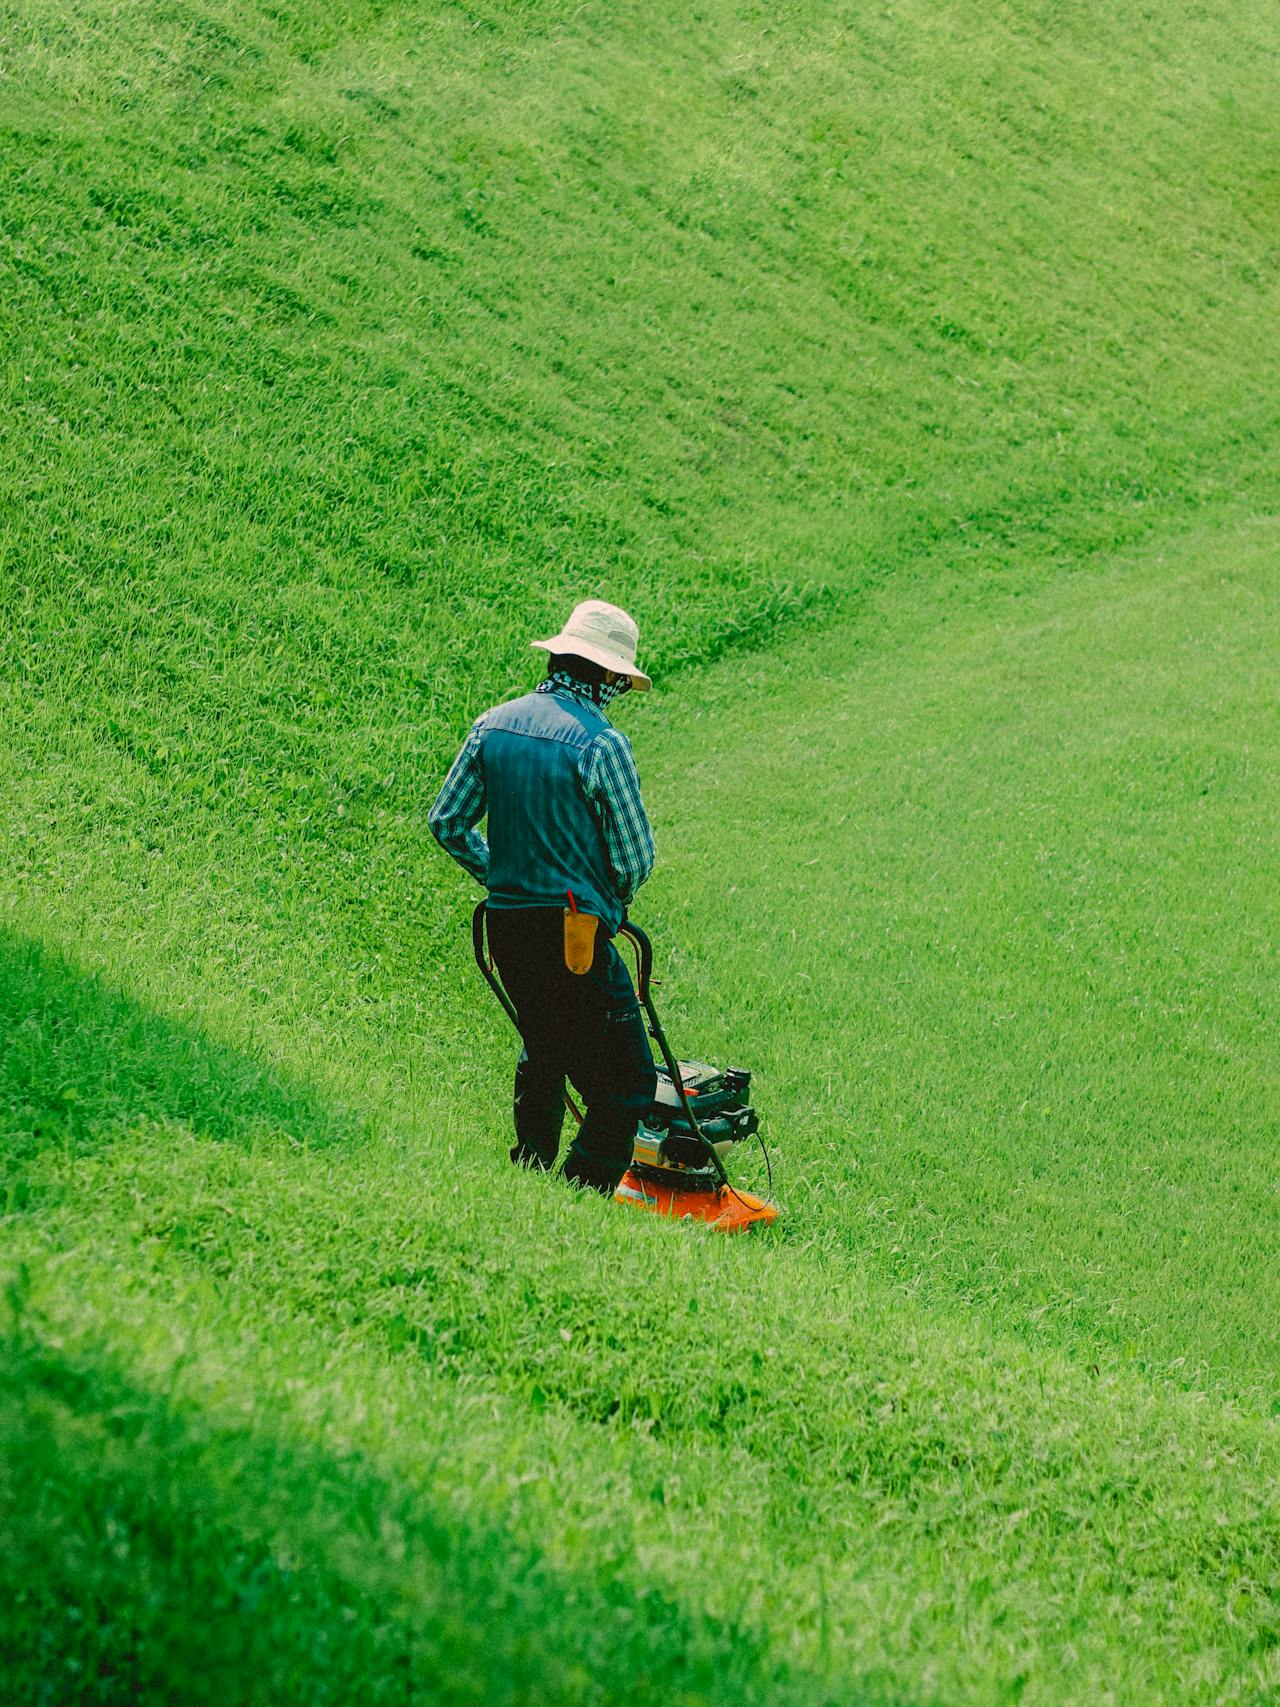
(579, 940)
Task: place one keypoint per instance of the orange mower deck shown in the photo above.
(725, 1209)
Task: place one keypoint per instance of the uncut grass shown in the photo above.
(243, 1565)
(986, 1520)
(707, 319)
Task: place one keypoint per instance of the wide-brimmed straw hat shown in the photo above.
(602, 633)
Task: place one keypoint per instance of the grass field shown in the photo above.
(911, 377)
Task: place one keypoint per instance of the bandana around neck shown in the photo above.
(600, 694)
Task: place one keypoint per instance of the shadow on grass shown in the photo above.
(80, 1061)
(150, 1555)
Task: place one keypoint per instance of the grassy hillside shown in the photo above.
(910, 377)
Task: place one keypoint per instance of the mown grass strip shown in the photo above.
(992, 910)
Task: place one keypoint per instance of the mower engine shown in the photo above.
(665, 1145)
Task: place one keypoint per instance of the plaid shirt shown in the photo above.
(609, 781)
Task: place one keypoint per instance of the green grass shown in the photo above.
(302, 1570)
(1034, 932)
(909, 376)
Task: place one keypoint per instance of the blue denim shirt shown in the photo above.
(563, 797)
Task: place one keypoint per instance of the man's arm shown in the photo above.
(613, 787)
(459, 807)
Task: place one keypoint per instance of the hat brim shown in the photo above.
(566, 644)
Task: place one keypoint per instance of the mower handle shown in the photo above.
(486, 965)
(644, 957)
(644, 967)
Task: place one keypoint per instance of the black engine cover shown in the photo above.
(718, 1101)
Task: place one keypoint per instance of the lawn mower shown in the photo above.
(677, 1168)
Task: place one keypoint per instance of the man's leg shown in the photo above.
(528, 950)
(612, 1065)
(539, 1112)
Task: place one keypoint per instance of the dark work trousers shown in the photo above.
(585, 1027)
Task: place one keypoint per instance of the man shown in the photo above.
(569, 844)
